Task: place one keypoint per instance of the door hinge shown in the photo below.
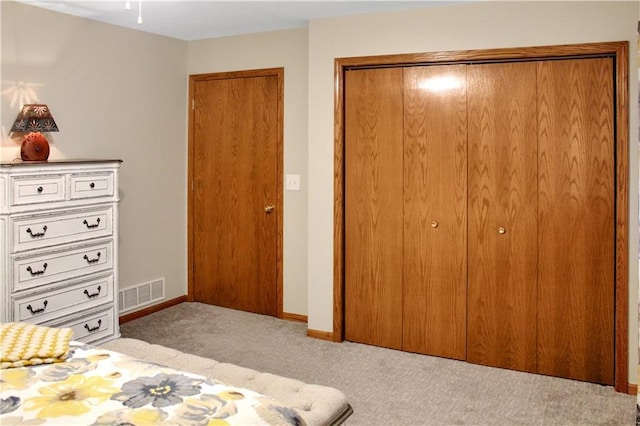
(193, 104)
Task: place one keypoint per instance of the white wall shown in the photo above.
(479, 25)
(114, 93)
(286, 49)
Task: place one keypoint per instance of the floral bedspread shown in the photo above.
(99, 387)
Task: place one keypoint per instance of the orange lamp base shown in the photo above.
(35, 147)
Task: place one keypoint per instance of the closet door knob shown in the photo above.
(502, 230)
(269, 208)
(434, 224)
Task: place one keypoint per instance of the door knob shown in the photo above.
(501, 230)
(269, 208)
(434, 224)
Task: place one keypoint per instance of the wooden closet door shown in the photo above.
(502, 215)
(435, 210)
(576, 225)
(373, 204)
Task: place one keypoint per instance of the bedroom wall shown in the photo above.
(286, 49)
(479, 25)
(114, 93)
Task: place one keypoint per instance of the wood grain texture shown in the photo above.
(576, 225)
(294, 317)
(235, 176)
(373, 207)
(435, 194)
(190, 147)
(338, 205)
(621, 59)
(321, 335)
(502, 193)
(483, 55)
(618, 50)
(152, 309)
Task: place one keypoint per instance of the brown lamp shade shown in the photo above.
(34, 118)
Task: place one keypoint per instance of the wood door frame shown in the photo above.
(193, 79)
(618, 51)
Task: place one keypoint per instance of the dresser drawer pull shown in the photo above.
(96, 294)
(92, 329)
(34, 273)
(38, 311)
(92, 260)
(37, 234)
(92, 185)
(40, 189)
(92, 225)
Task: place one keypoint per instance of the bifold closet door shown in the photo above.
(373, 206)
(576, 225)
(435, 210)
(502, 215)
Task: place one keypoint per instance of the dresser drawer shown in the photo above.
(91, 327)
(37, 189)
(45, 230)
(89, 185)
(50, 267)
(63, 301)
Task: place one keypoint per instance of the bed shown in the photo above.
(157, 385)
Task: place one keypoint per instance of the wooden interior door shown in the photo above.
(502, 215)
(235, 176)
(576, 228)
(373, 206)
(435, 210)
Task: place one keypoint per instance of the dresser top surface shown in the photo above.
(57, 162)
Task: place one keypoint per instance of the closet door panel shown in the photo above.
(576, 220)
(502, 215)
(373, 198)
(435, 194)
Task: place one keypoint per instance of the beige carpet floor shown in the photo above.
(384, 387)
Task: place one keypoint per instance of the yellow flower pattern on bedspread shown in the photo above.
(99, 387)
(72, 397)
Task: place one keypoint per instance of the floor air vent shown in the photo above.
(141, 295)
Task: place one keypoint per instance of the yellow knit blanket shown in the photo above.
(23, 344)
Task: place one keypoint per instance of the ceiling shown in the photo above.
(194, 20)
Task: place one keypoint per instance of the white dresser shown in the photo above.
(59, 245)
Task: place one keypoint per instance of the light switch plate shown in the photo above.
(292, 183)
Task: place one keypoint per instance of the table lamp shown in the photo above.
(34, 118)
